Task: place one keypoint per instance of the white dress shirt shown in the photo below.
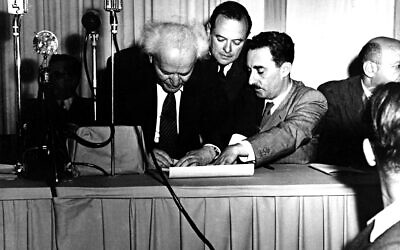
(161, 95)
(384, 220)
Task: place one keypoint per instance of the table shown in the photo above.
(26, 215)
(289, 207)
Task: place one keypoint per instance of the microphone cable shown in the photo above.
(180, 206)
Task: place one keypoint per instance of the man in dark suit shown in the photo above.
(382, 151)
(58, 104)
(283, 130)
(346, 124)
(225, 69)
(162, 71)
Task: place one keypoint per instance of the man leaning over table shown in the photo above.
(284, 133)
(382, 151)
(157, 86)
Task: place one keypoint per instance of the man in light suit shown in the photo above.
(345, 125)
(382, 151)
(285, 132)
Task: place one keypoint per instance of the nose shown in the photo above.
(227, 47)
(176, 80)
(252, 80)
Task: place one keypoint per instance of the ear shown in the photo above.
(369, 153)
(208, 30)
(370, 68)
(285, 69)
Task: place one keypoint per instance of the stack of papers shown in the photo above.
(210, 171)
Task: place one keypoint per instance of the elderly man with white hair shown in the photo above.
(158, 87)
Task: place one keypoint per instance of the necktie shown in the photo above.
(221, 71)
(267, 108)
(168, 128)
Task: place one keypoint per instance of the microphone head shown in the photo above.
(113, 5)
(91, 21)
(45, 43)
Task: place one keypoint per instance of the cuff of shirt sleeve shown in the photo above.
(250, 153)
(215, 148)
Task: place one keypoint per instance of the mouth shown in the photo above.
(225, 56)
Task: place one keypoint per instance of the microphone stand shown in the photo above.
(16, 27)
(114, 31)
(94, 37)
(48, 143)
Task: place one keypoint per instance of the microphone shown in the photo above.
(113, 5)
(45, 43)
(17, 7)
(91, 21)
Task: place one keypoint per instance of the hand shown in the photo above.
(162, 158)
(230, 154)
(199, 157)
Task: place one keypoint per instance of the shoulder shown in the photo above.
(339, 86)
(390, 239)
(131, 54)
(307, 93)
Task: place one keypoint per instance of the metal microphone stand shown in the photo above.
(114, 31)
(94, 37)
(16, 27)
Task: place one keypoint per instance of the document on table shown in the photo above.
(210, 171)
(7, 172)
(335, 169)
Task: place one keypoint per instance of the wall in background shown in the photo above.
(328, 34)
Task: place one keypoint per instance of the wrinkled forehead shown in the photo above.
(176, 59)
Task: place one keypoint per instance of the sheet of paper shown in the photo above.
(211, 171)
(334, 169)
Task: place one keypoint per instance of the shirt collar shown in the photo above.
(367, 92)
(384, 220)
(226, 68)
(279, 99)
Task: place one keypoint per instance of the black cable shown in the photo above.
(179, 204)
(90, 144)
(91, 166)
(89, 79)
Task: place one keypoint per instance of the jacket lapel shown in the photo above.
(279, 115)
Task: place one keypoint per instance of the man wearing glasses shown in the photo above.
(347, 122)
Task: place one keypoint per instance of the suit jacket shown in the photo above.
(345, 124)
(288, 135)
(135, 102)
(389, 240)
(229, 88)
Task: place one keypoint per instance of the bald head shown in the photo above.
(381, 61)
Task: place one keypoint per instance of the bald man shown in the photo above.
(347, 122)
(155, 88)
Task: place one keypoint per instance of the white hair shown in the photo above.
(157, 35)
